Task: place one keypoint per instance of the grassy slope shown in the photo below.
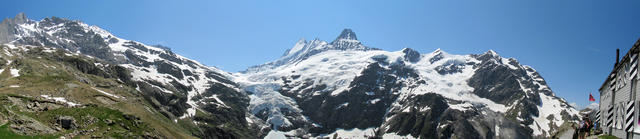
(6, 133)
(44, 73)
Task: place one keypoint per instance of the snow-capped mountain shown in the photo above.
(303, 50)
(319, 88)
(180, 88)
(322, 89)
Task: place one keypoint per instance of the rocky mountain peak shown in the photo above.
(492, 53)
(411, 55)
(20, 18)
(7, 27)
(489, 55)
(303, 49)
(301, 41)
(347, 34)
(438, 51)
(299, 46)
(55, 20)
(347, 40)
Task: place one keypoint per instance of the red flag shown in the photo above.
(591, 97)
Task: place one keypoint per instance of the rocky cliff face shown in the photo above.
(344, 87)
(181, 89)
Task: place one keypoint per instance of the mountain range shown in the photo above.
(315, 89)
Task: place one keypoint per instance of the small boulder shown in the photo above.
(109, 122)
(67, 122)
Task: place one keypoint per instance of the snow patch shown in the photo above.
(396, 136)
(105, 93)
(352, 133)
(190, 112)
(461, 106)
(374, 101)
(370, 93)
(497, 128)
(60, 99)
(274, 134)
(14, 72)
(342, 105)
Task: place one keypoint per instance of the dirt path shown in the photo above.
(567, 134)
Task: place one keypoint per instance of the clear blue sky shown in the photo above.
(571, 43)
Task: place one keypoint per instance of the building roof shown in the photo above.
(626, 58)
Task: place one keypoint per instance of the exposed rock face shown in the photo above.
(411, 55)
(7, 30)
(66, 122)
(347, 34)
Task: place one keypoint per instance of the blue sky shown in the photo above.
(571, 43)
